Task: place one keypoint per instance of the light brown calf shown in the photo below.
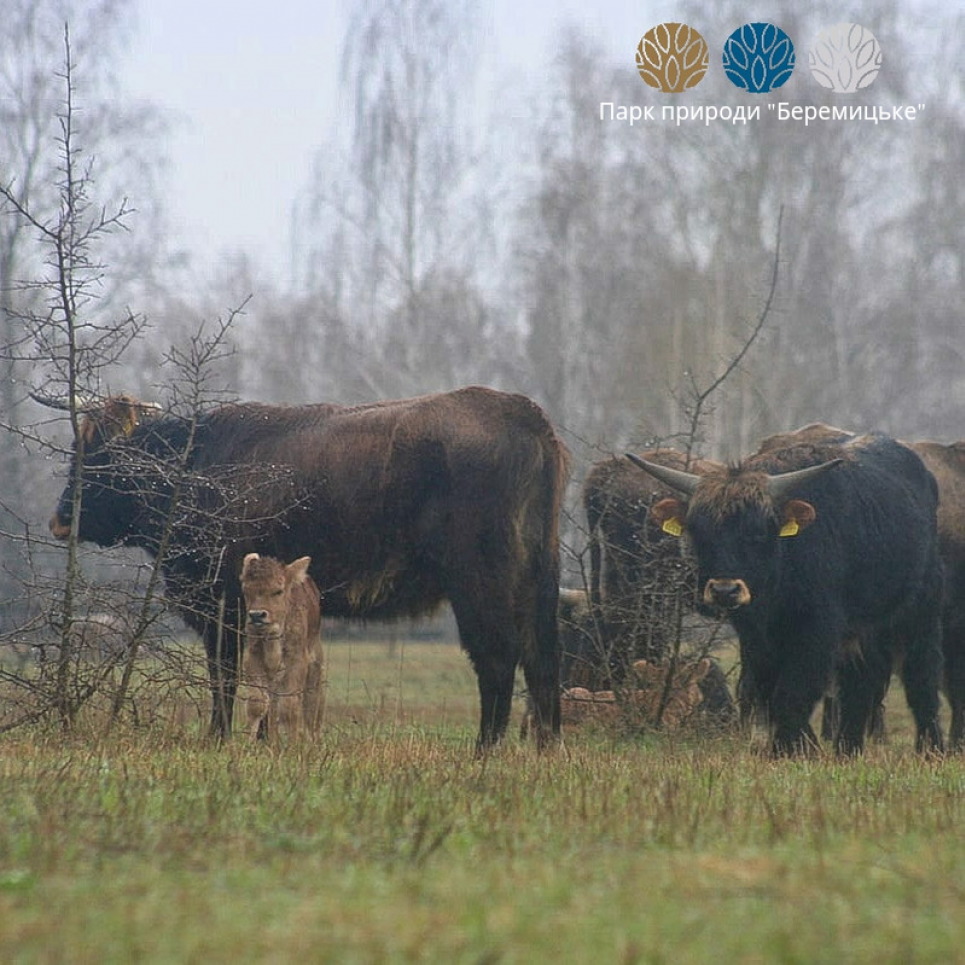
(283, 662)
(577, 704)
(649, 701)
(673, 705)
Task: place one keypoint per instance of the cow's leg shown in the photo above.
(921, 673)
(953, 647)
(799, 684)
(793, 734)
(538, 628)
(830, 716)
(750, 705)
(313, 700)
(861, 687)
(489, 636)
(290, 714)
(257, 706)
(292, 690)
(495, 701)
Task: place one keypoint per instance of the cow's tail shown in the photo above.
(547, 702)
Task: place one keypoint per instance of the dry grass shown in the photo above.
(388, 842)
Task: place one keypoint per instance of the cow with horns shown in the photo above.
(947, 464)
(401, 505)
(809, 549)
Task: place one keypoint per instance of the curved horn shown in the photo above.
(145, 407)
(63, 404)
(784, 483)
(683, 482)
(89, 405)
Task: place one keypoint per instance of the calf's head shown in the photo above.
(736, 519)
(267, 585)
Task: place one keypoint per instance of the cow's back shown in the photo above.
(947, 464)
(390, 495)
(874, 540)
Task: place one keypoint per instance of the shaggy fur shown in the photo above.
(865, 566)
(401, 505)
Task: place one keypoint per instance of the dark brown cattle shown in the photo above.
(401, 505)
(283, 664)
(639, 578)
(808, 549)
(947, 464)
(813, 434)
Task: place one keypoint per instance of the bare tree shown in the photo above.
(64, 333)
(127, 140)
(71, 344)
(398, 232)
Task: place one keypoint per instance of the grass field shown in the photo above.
(387, 842)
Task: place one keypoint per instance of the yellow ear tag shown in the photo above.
(790, 528)
(672, 526)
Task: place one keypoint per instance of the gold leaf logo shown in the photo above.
(673, 57)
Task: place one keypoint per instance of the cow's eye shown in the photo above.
(277, 592)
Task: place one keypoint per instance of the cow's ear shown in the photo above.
(797, 515)
(119, 416)
(298, 570)
(249, 559)
(669, 514)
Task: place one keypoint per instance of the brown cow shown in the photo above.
(639, 578)
(401, 505)
(283, 662)
(947, 465)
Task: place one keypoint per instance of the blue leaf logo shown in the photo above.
(758, 57)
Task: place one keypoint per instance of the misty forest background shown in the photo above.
(461, 228)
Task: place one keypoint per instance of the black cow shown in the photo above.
(809, 549)
(401, 505)
(947, 464)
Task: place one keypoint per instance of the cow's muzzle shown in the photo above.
(58, 528)
(727, 594)
(258, 618)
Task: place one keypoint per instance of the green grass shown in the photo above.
(387, 842)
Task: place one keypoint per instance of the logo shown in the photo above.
(672, 57)
(845, 58)
(758, 57)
